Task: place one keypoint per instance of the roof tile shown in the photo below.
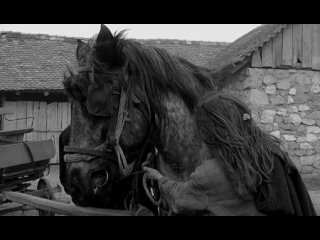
(37, 61)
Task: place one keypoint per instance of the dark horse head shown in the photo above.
(121, 100)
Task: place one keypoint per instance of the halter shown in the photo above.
(114, 133)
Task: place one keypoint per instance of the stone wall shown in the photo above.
(285, 103)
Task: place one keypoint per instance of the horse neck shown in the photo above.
(181, 147)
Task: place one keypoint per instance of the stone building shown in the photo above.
(275, 69)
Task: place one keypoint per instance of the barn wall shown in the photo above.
(48, 119)
(285, 103)
(297, 46)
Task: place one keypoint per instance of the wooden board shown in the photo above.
(5, 111)
(287, 51)
(65, 121)
(30, 122)
(21, 114)
(307, 46)
(10, 122)
(52, 123)
(277, 50)
(267, 54)
(297, 45)
(35, 120)
(316, 46)
(256, 59)
(42, 121)
(18, 154)
(69, 113)
(60, 208)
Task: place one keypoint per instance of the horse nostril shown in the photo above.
(100, 178)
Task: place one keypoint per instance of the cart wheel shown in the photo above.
(45, 184)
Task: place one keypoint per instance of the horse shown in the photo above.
(136, 100)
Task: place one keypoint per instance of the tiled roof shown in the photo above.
(246, 45)
(37, 62)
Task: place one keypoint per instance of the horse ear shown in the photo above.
(104, 34)
(82, 51)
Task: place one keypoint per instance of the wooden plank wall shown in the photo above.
(297, 46)
(47, 119)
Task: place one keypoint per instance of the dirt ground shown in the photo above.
(312, 183)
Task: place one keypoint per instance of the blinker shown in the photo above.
(100, 100)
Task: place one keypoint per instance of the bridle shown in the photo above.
(115, 128)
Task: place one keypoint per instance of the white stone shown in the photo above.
(306, 146)
(311, 137)
(293, 109)
(267, 116)
(275, 126)
(282, 112)
(303, 114)
(271, 90)
(290, 100)
(268, 80)
(276, 134)
(284, 84)
(252, 82)
(313, 129)
(293, 91)
(258, 98)
(295, 119)
(301, 139)
(315, 84)
(308, 122)
(303, 108)
(289, 138)
(254, 72)
(308, 160)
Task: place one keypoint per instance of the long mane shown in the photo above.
(158, 72)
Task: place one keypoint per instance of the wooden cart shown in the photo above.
(22, 162)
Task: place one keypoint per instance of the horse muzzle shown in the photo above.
(88, 183)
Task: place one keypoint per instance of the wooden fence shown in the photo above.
(47, 119)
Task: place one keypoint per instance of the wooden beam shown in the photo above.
(316, 46)
(307, 46)
(287, 47)
(60, 208)
(10, 207)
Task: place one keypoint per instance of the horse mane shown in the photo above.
(155, 70)
(248, 152)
